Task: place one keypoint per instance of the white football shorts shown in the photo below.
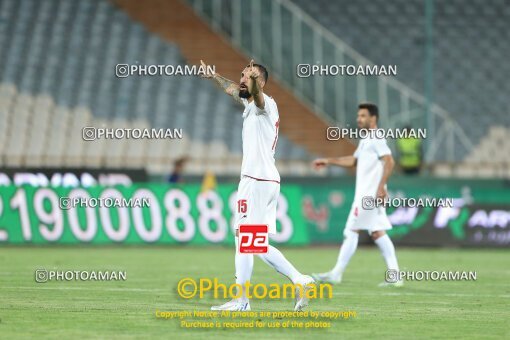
(369, 220)
(256, 202)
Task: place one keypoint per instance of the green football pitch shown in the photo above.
(127, 309)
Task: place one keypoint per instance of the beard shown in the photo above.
(243, 93)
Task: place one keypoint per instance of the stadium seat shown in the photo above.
(468, 42)
(71, 82)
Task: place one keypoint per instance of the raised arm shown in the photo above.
(254, 86)
(228, 86)
(345, 162)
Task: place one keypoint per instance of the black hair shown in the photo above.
(263, 71)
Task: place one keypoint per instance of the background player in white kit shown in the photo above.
(374, 166)
(260, 181)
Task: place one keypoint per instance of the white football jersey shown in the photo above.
(260, 134)
(369, 167)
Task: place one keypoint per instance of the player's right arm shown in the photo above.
(345, 162)
(229, 87)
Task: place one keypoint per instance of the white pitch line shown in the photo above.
(89, 288)
(423, 294)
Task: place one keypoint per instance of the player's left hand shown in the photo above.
(381, 192)
(252, 72)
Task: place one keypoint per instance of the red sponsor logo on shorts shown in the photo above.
(253, 238)
(356, 211)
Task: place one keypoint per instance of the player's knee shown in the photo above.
(348, 233)
(376, 234)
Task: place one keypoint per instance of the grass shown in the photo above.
(115, 309)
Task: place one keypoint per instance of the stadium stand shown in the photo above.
(58, 77)
(466, 83)
(470, 51)
(59, 58)
(299, 40)
(489, 159)
(177, 22)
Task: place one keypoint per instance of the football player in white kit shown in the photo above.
(260, 181)
(374, 166)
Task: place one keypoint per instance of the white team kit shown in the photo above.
(369, 172)
(260, 180)
(257, 197)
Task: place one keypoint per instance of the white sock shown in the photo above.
(388, 251)
(244, 268)
(275, 259)
(347, 249)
